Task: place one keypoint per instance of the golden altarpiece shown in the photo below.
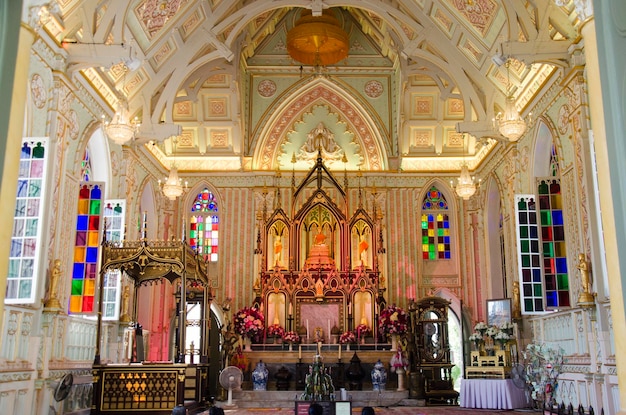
(319, 261)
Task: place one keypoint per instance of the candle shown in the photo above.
(339, 355)
(328, 331)
(299, 351)
(349, 309)
(290, 309)
(307, 328)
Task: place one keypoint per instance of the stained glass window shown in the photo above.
(85, 166)
(435, 226)
(542, 250)
(86, 248)
(529, 254)
(27, 223)
(204, 225)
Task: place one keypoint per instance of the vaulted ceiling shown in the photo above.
(217, 76)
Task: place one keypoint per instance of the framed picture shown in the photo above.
(498, 311)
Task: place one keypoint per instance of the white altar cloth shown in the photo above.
(492, 394)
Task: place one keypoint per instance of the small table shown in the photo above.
(492, 394)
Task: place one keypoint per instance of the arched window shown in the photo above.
(435, 226)
(26, 239)
(542, 249)
(204, 225)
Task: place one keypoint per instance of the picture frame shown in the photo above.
(498, 311)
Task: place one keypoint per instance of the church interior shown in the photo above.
(193, 187)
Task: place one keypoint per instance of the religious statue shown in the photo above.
(53, 302)
(586, 295)
(319, 289)
(228, 347)
(278, 250)
(516, 311)
(363, 245)
(320, 238)
(125, 317)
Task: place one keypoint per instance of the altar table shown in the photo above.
(492, 394)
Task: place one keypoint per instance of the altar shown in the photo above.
(492, 394)
(318, 268)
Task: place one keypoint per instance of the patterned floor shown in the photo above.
(397, 410)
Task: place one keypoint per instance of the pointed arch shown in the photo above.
(202, 206)
(280, 120)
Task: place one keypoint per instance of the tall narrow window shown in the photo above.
(435, 226)
(114, 211)
(26, 246)
(86, 248)
(542, 250)
(204, 225)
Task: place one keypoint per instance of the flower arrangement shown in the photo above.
(476, 337)
(347, 337)
(507, 327)
(481, 327)
(392, 320)
(492, 331)
(291, 337)
(502, 337)
(362, 330)
(275, 330)
(398, 361)
(249, 322)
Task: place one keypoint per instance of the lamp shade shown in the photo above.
(317, 40)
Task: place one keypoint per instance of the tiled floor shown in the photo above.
(397, 410)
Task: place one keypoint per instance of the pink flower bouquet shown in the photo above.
(249, 322)
(347, 337)
(392, 320)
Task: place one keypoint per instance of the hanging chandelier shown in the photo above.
(510, 123)
(317, 40)
(465, 186)
(121, 129)
(173, 186)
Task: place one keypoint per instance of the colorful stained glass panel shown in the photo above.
(87, 249)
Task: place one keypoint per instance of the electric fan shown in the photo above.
(63, 388)
(231, 378)
(520, 379)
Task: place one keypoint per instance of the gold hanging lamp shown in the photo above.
(317, 40)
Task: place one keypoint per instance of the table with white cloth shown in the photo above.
(492, 394)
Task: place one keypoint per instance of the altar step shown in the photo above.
(286, 399)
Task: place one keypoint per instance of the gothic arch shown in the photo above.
(289, 112)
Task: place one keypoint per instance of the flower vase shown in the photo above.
(394, 342)
(247, 344)
(362, 341)
(291, 346)
(347, 347)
